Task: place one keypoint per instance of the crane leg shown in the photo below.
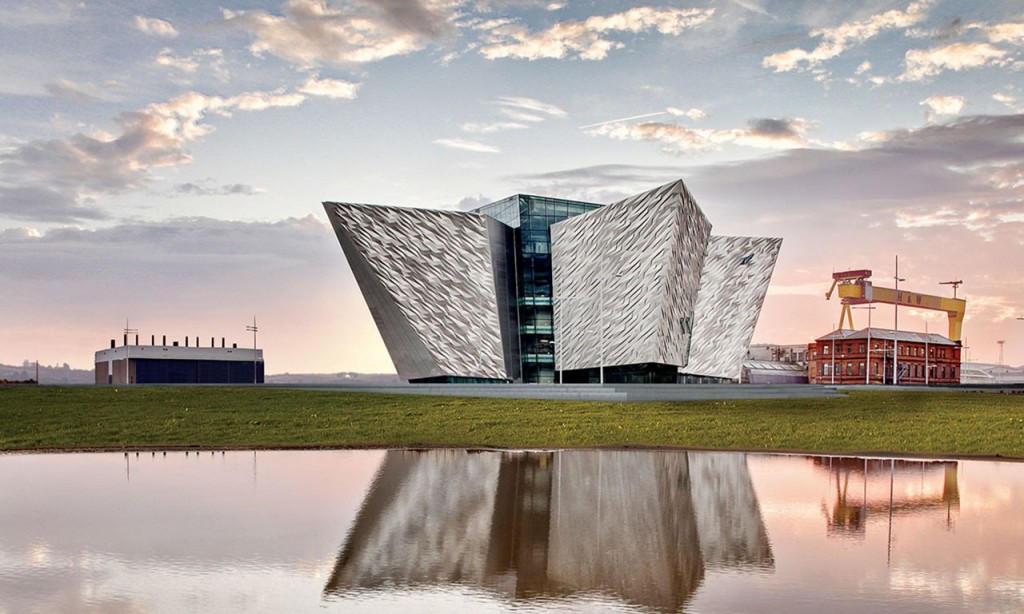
(844, 315)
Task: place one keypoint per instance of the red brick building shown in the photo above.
(866, 357)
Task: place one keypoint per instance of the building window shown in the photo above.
(875, 368)
(824, 369)
(824, 350)
(849, 368)
(861, 371)
(860, 349)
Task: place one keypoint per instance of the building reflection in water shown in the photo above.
(642, 526)
(885, 488)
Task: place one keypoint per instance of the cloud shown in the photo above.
(467, 145)
(43, 179)
(1008, 100)
(970, 164)
(70, 91)
(206, 188)
(623, 119)
(835, 41)
(492, 127)
(310, 32)
(523, 111)
(754, 7)
(762, 133)
(944, 105)
(470, 203)
(155, 27)
(166, 57)
(530, 105)
(1010, 32)
(590, 39)
(259, 101)
(214, 58)
(604, 183)
(330, 88)
(44, 204)
(21, 14)
(694, 114)
(923, 63)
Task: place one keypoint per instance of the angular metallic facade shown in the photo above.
(432, 282)
(519, 288)
(626, 279)
(733, 285)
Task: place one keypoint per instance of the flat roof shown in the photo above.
(171, 352)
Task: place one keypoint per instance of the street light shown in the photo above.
(601, 324)
(896, 326)
(834, 355)
(600, 306)
(253, 328)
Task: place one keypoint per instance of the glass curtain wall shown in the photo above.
(532, 217)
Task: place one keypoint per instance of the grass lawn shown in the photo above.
(938, 423)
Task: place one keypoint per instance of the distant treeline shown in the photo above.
(55, 374)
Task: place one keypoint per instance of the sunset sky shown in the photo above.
(165, 162)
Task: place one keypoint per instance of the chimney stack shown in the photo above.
(165, 340)
(186, 340)
(111, 344)
(222, 342)
(126, 339)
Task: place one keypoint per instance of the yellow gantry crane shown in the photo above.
(855, 289)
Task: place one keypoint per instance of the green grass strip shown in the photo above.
(75, 418)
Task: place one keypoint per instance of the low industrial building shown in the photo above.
(844, 357)
(988, 374)
(773, 372)
(178, 364)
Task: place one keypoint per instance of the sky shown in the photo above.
(163, 165)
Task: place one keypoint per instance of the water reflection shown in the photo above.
(641, 526)
(886, 487)
(572, 531)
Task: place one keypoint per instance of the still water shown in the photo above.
(452, 530)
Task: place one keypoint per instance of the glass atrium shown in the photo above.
(531, 218)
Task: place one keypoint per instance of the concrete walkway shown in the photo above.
(596, 392)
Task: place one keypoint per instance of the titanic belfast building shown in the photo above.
(534, 289)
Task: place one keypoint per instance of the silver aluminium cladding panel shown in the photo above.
(732, 289)
(428, 279)
(626, 278)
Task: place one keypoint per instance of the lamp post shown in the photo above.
(557, 332)
(926, 366)
(600, 305)
(867, 367)
(896, 326)
(253, 328)
(834, 356)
